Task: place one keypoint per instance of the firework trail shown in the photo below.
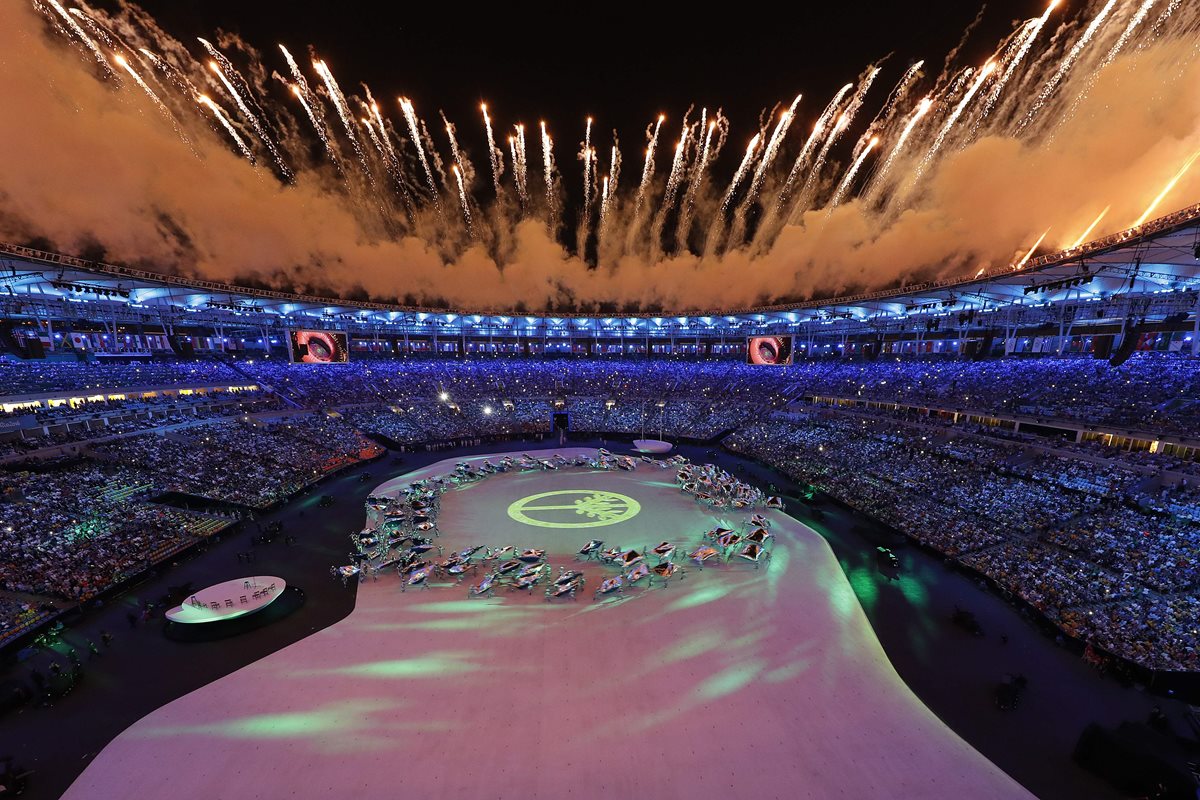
(1065, 65)
(435, 158)
(311, 106)
(647, 167)
(207, 101)
(462, 198)
(741, 171)
(494, 154)
(384, 145)
(83, 37)
(852, 107)
(677, 165)
(760, 173)
(220, 65)
(414, 130)
(1028, 35)
(948, 125)
(635, 222)
(802, 159)
(697, 179)
(880, 177)
(1032, 250)
(610, 189)
(614, 166)
(850, 173)
(899, 95)
(1134, 21)
(672, 191)
(522, 168)
(339, 105)
(512, 154)
(1166, 190)
(455, 153)
(603, 206)
(105, 35)
(377, 131)
(586, 156)
(124, 64)
(1126, 34)
(181, 83)
(1172, 7)
(1083, 237)
(548, 174)
(717, 227)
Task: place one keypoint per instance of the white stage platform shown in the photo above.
(652, 446)
(732, 683)
(228, 600)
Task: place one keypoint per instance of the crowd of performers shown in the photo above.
(402, 534)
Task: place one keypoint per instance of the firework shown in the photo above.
(922, 109)
(1032, 250)
(82, 35)
(548, 175)
(1083, 236)
(1065, 65)
(522, 176)
(220, 65)
(689, 198)
(850, 173)
(462, 198)
(586, 156)
(801, 160)
(948, 125)
(414, 131)
(494, 154)
(1002, 99)
(781, 129)
(207, 102)
(455, 153)
(1166, 190)
(343, 111)
(648, 166)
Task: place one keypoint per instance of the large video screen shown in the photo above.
(770, 351)
(318, 347)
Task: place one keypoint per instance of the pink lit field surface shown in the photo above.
(733, 682)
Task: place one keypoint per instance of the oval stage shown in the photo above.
(735, 681)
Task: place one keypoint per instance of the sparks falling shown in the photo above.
(521, 167)
(462, 198)
(208, 103)
(220, 65)
(494, 155)
(850, 173)
(913, 120)
(548, 175)
(414, 132)
(1067, 62)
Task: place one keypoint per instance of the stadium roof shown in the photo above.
(1151, 271)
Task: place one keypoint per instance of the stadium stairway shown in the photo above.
(294, 402)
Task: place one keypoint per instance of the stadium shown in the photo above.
(392, 446)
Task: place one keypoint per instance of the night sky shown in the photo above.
(621, 67)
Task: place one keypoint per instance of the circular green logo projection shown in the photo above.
(562, 509)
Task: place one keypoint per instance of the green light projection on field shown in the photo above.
(549, 508)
